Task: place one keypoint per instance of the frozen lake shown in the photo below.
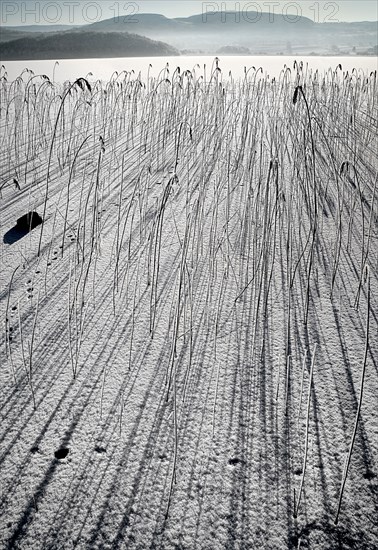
(70, 69)
(187, 332)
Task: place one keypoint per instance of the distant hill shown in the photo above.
(151, 22)
(12, 33)
(244, 19)
(41, 28)
(155, 24)
(83, 44)
(259, 33)
(9, 33)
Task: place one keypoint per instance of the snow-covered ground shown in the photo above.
(187, 334)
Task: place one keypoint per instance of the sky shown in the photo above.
(79, 12)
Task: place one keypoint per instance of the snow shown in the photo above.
(162, 326)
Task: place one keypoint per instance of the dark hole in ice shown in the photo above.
(369, 475)
(61, 453)
(34, 450)
(235, 461)
(29, 221)
(99, 449)
(298, 471)
(24, 225)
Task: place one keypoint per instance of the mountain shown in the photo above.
(231, 22)
(13, 33)
(83, 44)
(9, 33)
(259, 33)
(239, 19)
(41, 28)
(151, 22)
